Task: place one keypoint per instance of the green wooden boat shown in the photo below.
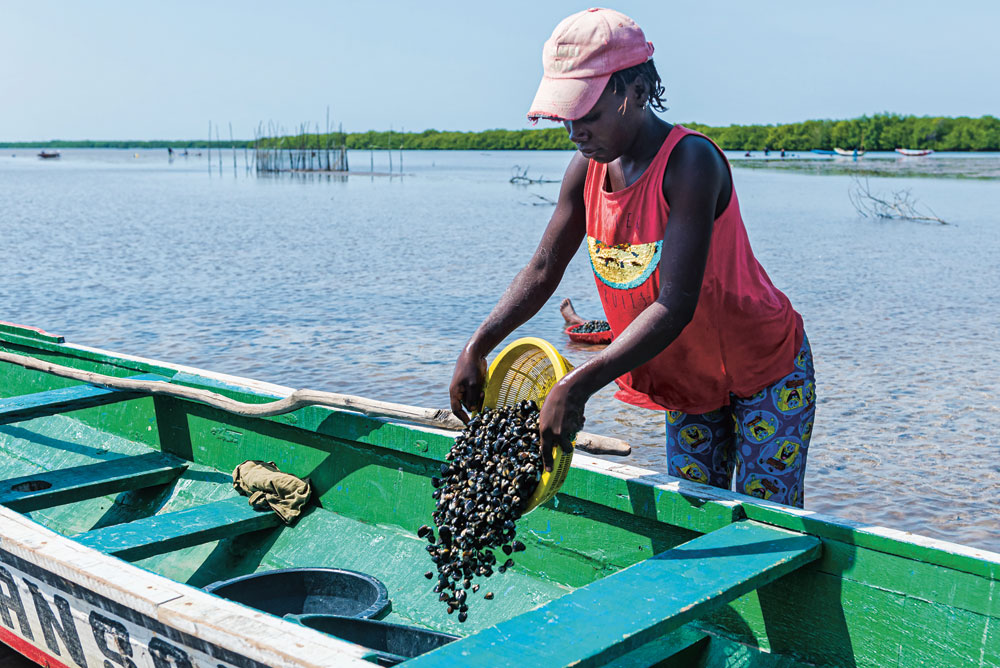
(117, 510)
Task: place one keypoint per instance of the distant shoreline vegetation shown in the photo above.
(880, 132)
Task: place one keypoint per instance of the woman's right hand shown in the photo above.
(468, 384)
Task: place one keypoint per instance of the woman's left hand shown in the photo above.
(561, 418)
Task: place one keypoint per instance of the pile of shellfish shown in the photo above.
(591, 327)
(486, 481)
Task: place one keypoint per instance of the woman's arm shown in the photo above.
(527, 293)
(695, 177)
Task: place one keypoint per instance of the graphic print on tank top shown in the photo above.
(623, 266)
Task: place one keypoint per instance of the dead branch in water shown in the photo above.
(898, 205)
(521, 176)
(543, 201)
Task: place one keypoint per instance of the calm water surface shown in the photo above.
(370, 286)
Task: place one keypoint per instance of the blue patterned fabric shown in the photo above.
(757, 445)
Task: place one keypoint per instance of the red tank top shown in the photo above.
(744, 334)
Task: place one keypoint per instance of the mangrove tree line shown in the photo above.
(879, 132)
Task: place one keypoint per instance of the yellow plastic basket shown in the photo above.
(527, 369)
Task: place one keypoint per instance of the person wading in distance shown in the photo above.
(700, 330)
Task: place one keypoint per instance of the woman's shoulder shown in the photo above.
(696, 163)
(694, 149)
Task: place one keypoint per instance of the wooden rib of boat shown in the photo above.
(914, 152)
(851, 153)
(117, 508)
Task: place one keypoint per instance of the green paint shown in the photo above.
(30, 333)
(62, 400)
(679, 649)
(34, 492)
(638, 604)
(857, 535)
(174, 531)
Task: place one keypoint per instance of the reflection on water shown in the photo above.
(371, 285)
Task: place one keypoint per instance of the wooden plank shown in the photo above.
(30, 332)
(51, 402)
(679, 649)
(174, 531)
(55, 488)
(611, 617)
(973, 560)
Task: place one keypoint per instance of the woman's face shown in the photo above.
(610, 127)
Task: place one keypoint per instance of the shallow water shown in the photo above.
(968, 165)
(370, 285)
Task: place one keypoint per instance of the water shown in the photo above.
(370, 286)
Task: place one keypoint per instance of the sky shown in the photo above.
(106, 69)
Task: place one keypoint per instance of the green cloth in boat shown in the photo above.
(268, 487)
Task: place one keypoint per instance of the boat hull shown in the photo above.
(870, 596)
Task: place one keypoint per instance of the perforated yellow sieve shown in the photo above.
(527, 369)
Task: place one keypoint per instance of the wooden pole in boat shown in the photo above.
(210, 146)
(441, 418)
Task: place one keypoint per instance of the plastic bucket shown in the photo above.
(302, 591)
(391, 643)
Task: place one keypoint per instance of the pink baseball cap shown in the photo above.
(579, 58)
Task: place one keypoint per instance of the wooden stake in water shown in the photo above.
(233, 143)
(326, 135)
(219, 146)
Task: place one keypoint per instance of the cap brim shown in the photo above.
(567, 99)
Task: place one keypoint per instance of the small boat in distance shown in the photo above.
(823, 151)
(45, 155)
(914, 152)
(850, 153)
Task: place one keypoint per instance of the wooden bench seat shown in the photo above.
(89, 481)
(622, 613)
(182, 528)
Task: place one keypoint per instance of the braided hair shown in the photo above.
(647, 73)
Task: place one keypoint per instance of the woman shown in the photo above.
(700, 330)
